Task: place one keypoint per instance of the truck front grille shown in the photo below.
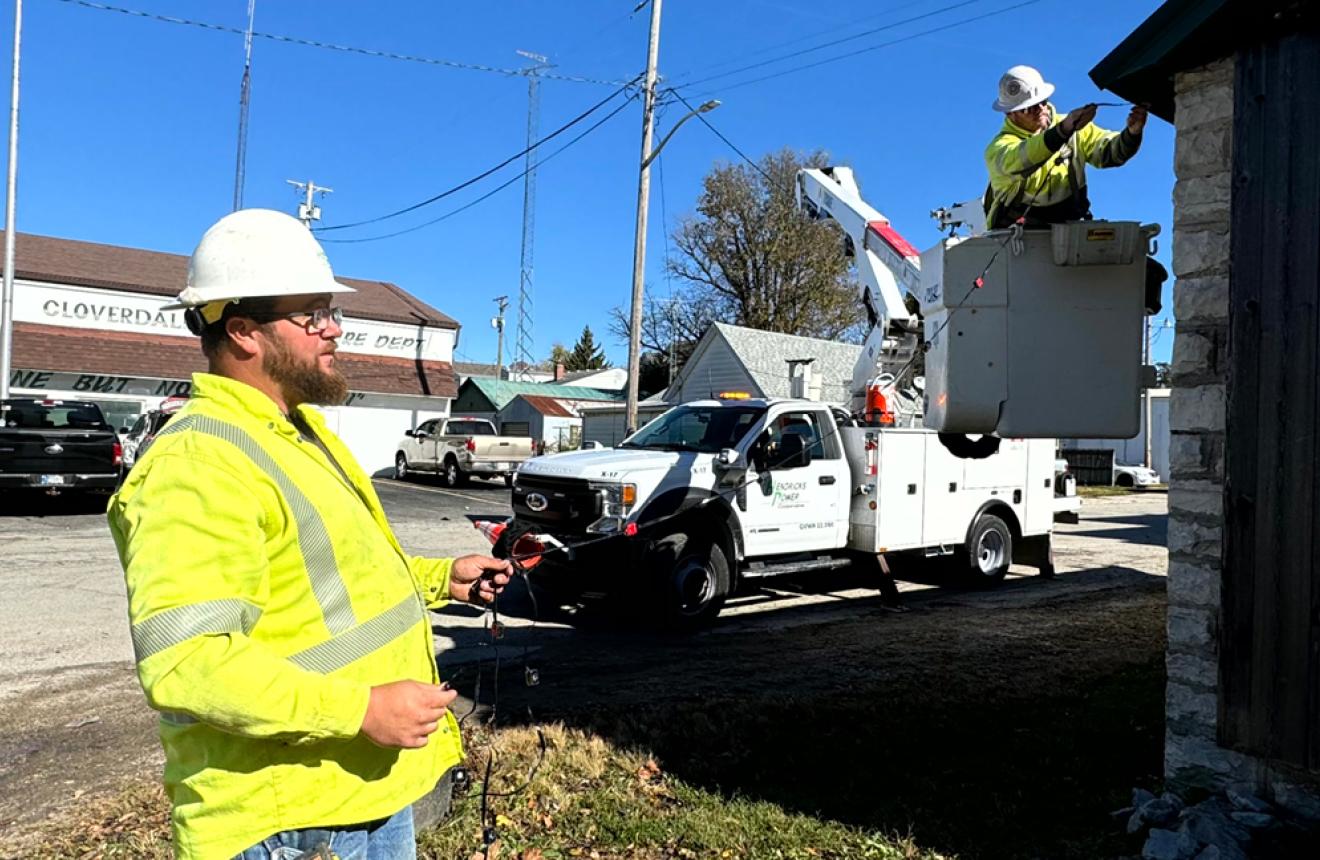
(566, 504)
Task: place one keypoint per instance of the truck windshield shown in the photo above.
(51, 415)
(705, 429)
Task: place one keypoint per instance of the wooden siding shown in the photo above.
(1269, 635)
(715, 369)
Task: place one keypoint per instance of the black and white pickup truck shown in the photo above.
(57, 446)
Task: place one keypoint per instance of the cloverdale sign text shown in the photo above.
(107, 313)
(78, 307)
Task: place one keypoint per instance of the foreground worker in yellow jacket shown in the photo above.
(279, 628)
(1038, 158)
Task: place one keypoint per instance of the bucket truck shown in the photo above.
(715, 494)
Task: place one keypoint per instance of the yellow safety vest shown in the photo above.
(1025, 171)
(267, 595)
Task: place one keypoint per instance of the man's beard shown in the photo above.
(302, 382)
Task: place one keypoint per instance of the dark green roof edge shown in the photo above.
(1142, 67)
(1184, 34)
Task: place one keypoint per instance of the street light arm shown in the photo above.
(708, 106)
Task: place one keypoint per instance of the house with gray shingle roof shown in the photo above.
(734, 358)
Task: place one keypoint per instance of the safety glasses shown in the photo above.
(317, 320)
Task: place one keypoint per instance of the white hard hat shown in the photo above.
(252, 253)
(1021, 87)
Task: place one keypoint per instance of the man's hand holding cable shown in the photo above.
(402, 715)
(478, 578)
(1136, 121)
(1078, 119)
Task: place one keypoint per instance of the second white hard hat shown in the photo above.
(253, 253)
(1021, 87)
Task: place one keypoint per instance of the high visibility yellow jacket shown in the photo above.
(1043, 175)
(267, 595)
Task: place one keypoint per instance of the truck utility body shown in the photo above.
(716, 492)
(57, 446)
(460, 448)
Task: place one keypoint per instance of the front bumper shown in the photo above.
(60, 481)
(597, 566)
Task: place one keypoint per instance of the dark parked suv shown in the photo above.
(57, 446)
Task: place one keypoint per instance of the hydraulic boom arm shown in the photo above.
(886, 264)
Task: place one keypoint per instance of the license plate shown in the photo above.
(501, 467)
(51, 480)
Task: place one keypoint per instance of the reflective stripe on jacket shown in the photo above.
(1046, 171)
(267, 595)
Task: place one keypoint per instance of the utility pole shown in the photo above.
(523, 345)
(244, 98)
(498, 324)
(643, 198)
(1145, 400)
(307, 210)
(7, 303)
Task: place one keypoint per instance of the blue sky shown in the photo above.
(129, 127)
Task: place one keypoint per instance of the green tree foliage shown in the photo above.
(750, 257)
(586, 354)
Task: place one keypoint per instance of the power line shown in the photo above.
(888, 44)
(497, 189)
(759, 169)
(823, 46)
(330, 46)
(798, 40)
(480, 176)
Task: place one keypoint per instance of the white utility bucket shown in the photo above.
(1050, 344)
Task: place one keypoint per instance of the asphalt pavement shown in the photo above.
(63, 605)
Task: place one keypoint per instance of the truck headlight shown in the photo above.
(616, 500)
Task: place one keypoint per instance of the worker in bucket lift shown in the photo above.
(278, 626)
(1038, 158)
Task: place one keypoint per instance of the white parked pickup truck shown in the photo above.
(458, 449)
(716, 493)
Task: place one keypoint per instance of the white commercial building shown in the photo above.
(1133, 451)
(89, 325)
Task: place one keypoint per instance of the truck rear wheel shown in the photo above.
(693, 579)
(453, 474)
(989, 551)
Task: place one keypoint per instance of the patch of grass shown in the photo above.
(592, 799)
(1101, 492)
(132, 823)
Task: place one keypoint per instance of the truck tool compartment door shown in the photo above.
(796, 510)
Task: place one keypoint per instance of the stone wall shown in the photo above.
(1202, 197)
(1202, 217)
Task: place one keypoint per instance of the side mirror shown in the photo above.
(411, 434)
(123, 431)
(728, 458)
(793, 453)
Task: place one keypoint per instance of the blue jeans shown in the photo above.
(391, 839)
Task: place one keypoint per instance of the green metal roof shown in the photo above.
(500, 392)
(1183, 34)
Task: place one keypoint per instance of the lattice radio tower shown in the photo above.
(523, 346)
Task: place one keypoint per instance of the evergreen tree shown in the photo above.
(586, 355)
